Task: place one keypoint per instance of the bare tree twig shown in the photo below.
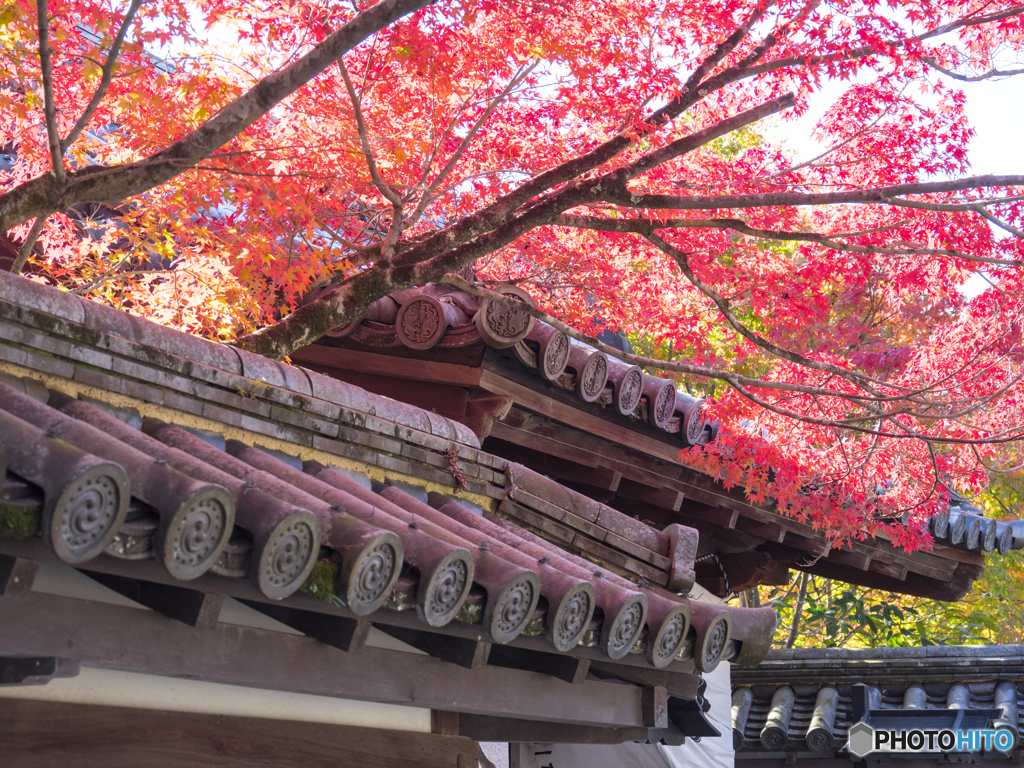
(883, 195)
(28, 245)
(364, 139)
(645, 226)
(972, 78)
(49, 105)
(682, 259)
(745, 386)
(45, 194)
(108, 73)
(798, 609)
(516, 79)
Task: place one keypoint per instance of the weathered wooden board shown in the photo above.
(506, 729)
(387, 365)
(143, 641)
(39, 734)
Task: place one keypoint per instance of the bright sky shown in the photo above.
(995, 108)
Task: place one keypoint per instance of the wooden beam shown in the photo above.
(469, 654)
(664, 471)
(40, 734)
(800, 548)
(529, 430)
(197, 609)
(542, 434)
(767, 531)
(921, 563)
(346, 634)
(538, 433)
(482, 409)
(960, 555)
(501, 729)
(16, 576)
(898, 572)
(676, 683)
(780, 577)
(656, 517)
(564, 469)
(388, 365)
(444, 723)
(720, 516)
(142, 641)
(503, 376)
(571, 670)
(859, 560)
(948, 591)
(655, 706)
(447, 400)
(660, 497)
(527, 502)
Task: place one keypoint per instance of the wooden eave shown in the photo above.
(106, 388)
(635, 468)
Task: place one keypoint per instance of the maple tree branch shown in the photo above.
(952, 207)
(886, 195)
(682, 259)
(499, 212)
(680, 146)
(726, 47)
(852, 137)
(858, 53)
(648, 362)
(112, 271)
(1012, 435)
(798, 609)
(435, 255)
(647, 226)
(518, 78)
(1002, 225)
(49, 105)
(46, 194)
(971, 78)
(436, 141)
(30, 242)
(108, 73)
(364, 140)
(972, 21)
(744, 384)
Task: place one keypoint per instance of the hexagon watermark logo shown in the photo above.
(861, 739)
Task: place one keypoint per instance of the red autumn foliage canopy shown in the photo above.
(207, 163)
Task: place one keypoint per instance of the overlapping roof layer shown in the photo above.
(126, 440)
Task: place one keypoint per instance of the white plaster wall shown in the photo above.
(115, 688)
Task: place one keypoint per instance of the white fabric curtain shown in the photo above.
(707, 753)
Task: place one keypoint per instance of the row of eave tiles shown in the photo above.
(101, 485)
(438, 315)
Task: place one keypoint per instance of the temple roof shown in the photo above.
(440, 316)
(614, 432)
(142, 455)
(799, 704)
